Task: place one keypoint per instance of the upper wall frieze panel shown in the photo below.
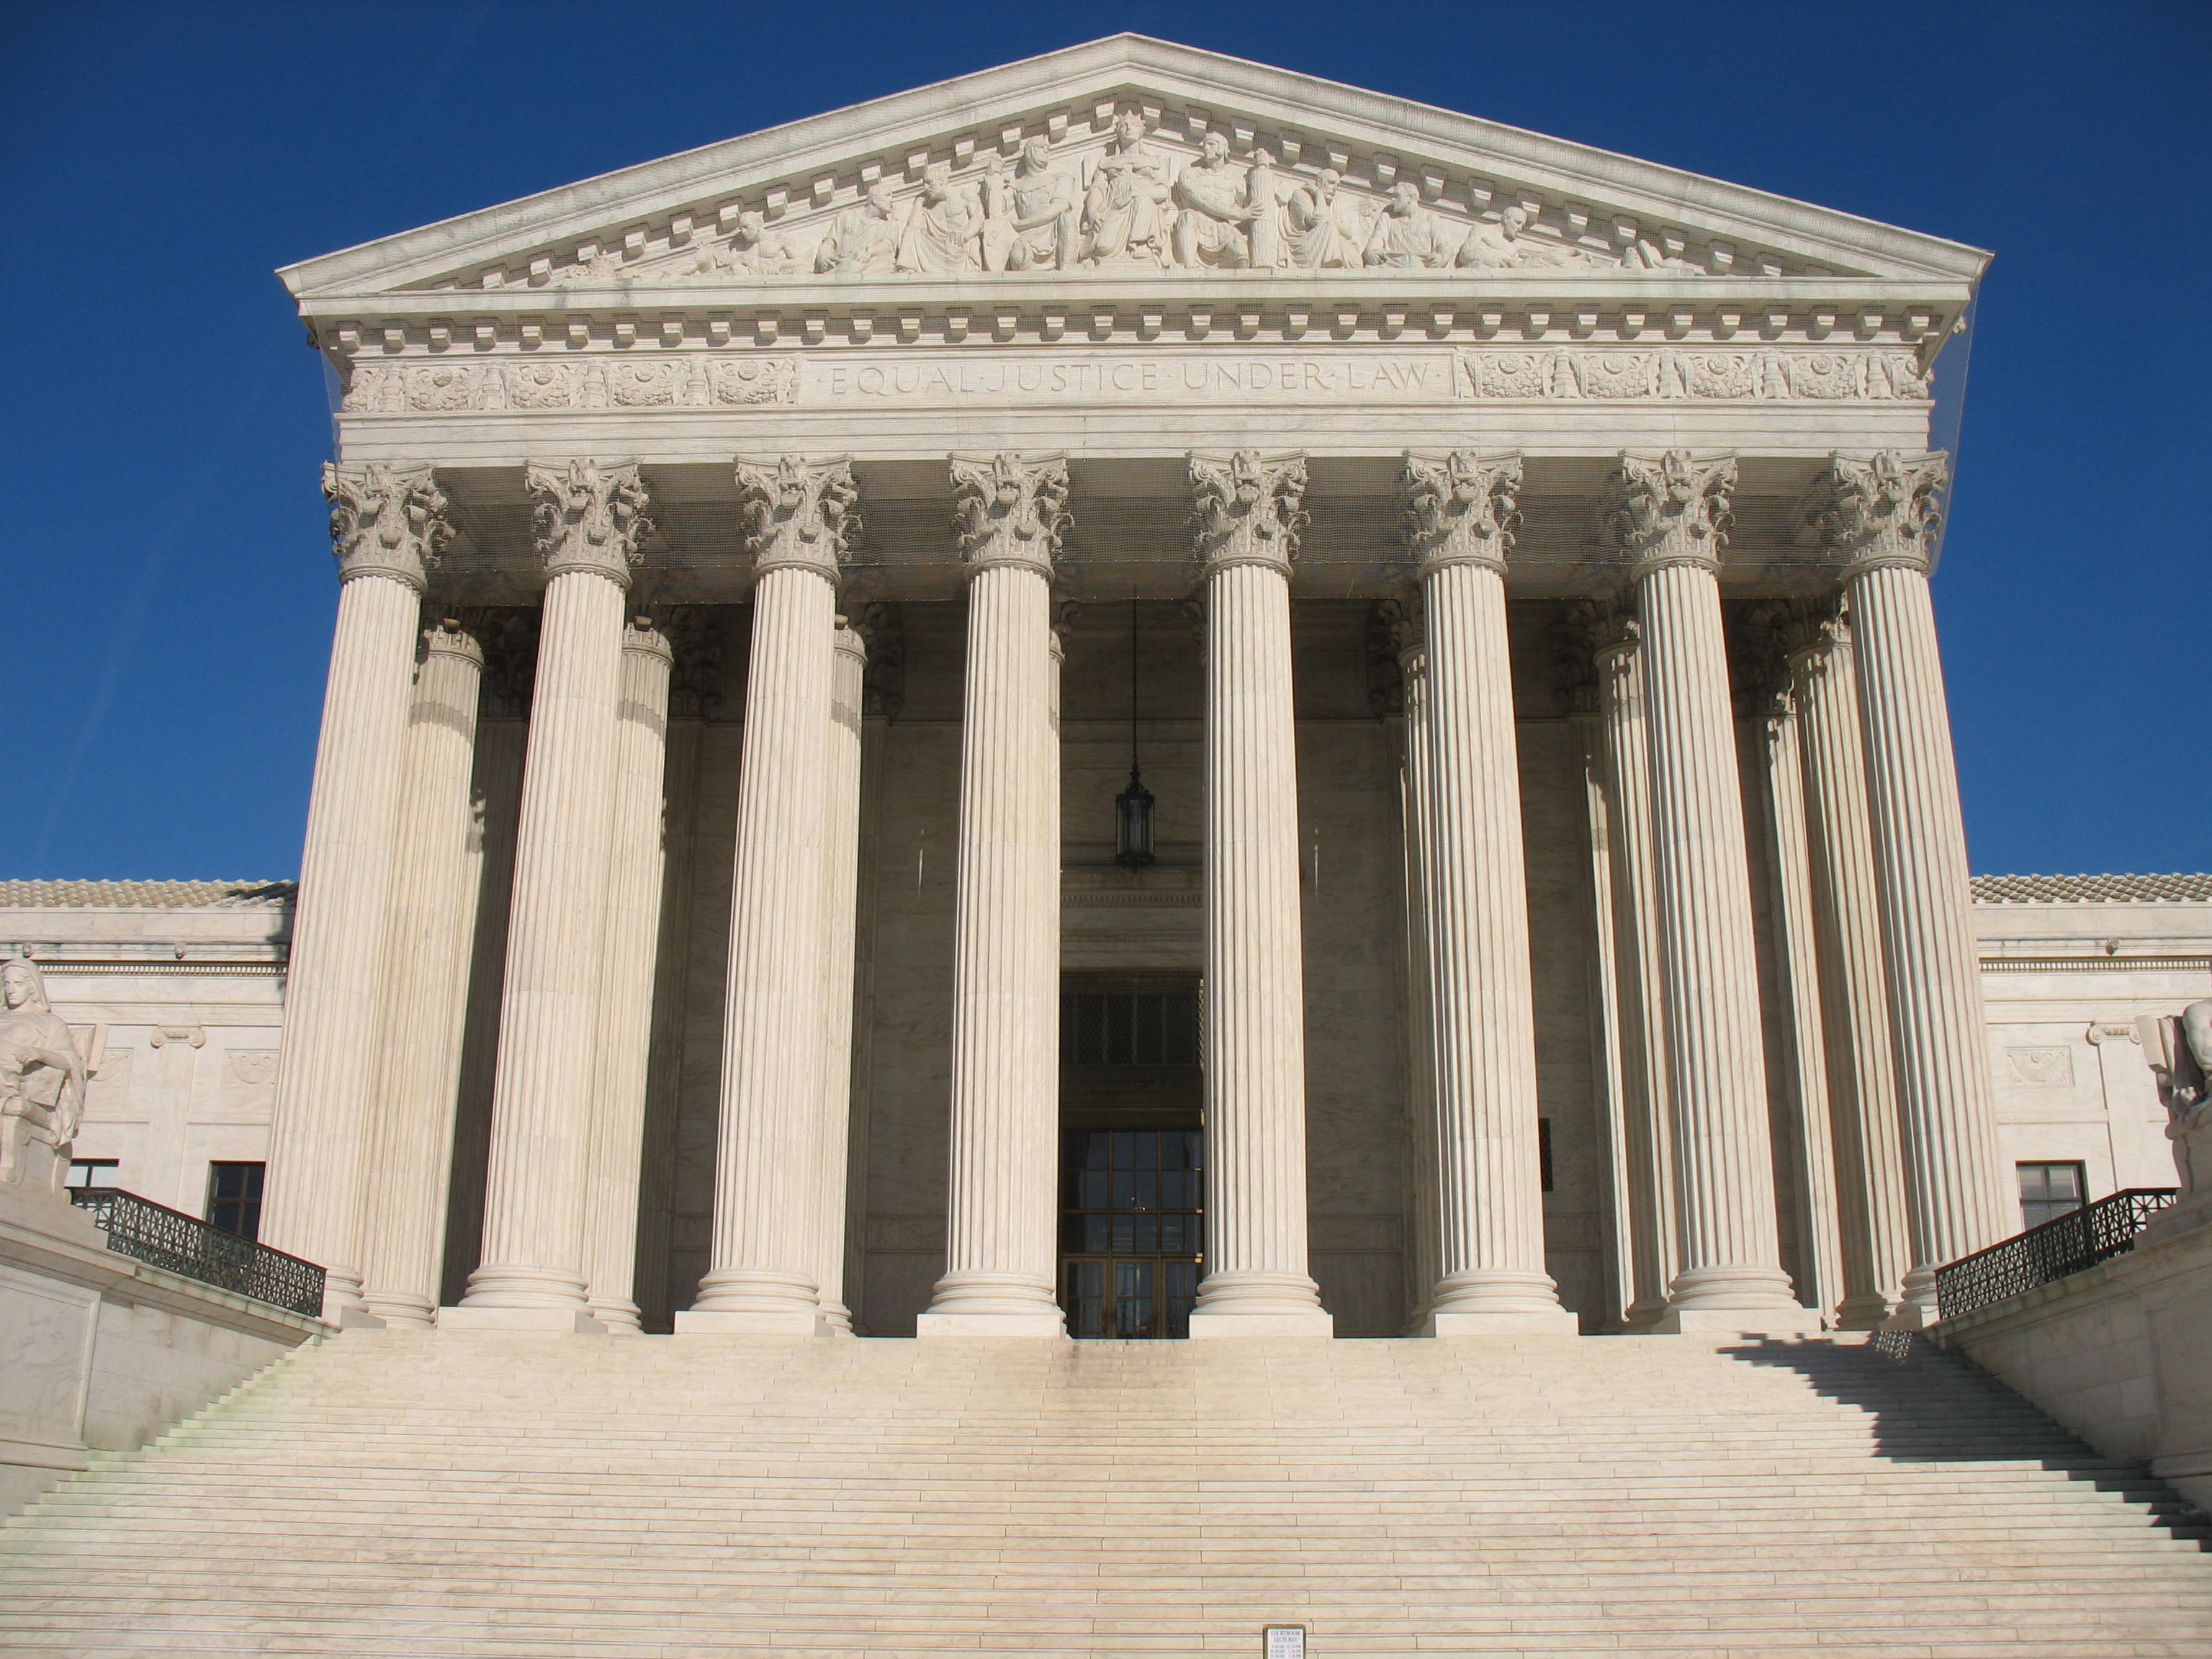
(1129, 159)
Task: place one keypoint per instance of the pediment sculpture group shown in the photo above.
(1138, 208)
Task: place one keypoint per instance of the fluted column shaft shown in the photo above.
(1000, 1258)
(430, 934)
(840, 840)
(628, 952)
(542, 1099)
(1729, 1246)
(1641, 984)
(1803, 1083)
(1491, 1209)
(1953, 1171)
(761, 1279)
(331, 993)
(1854, 987)
(387, 523)
(1254, 968)
(1425, 1256)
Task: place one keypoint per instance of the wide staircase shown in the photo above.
(425, 1496)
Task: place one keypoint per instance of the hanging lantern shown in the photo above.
(1132, 807)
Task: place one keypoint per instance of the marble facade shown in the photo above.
(1527, 552)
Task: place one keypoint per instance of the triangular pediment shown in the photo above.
(1238, 166)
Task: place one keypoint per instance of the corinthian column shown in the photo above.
(1668, 516)
(761, 1277)
(840, 884)
(1000, 1254)
(1246, 515)
(628, 953)
(1854, 986)
(588, 520)
(1461, 511)
(428, 935)
(387, 524)
(1878, 515)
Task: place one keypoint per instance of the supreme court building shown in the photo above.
(1136, 696)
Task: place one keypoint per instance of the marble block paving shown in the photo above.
(506, 1496)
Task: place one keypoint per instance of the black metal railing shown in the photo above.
(163, 1238)
(2065, 1244)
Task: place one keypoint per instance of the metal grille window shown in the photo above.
(1544, 1150)
(2048, 1191)
(1133, 1231)
(1128, 1028)
(235, 1198)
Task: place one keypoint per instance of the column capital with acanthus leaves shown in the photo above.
(1247, 508)
(800, 513)
(1460, 508)
(386, 520)
(1010, 509)
(1669, 509)
(588, 515)
(1876, 512)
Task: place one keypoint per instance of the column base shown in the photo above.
(563, 1322)
(619, 1317)
(1737, 1322)
(1215, 1326)
(710, 1321)
(1556, 1321)
(1051, 1325)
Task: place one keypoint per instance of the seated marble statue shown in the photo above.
(1324, 232)
(1211, 228)
(1408, 236)
(1029, 220)
(943, 233)
(863, 241)
(1123, 219)
(42, 1083)
(2180, 1049)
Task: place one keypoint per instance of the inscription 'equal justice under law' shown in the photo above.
(1169, 377)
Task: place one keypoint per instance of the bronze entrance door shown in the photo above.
(1132, 1230)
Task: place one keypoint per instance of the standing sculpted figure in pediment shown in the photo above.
(1123, 221)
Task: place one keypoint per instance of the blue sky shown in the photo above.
(164, 572)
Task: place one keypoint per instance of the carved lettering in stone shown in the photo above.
(2041, 1067)
(1673, 509)
(587, 515)
(1875, 510)
(1010, 509)
(385, 520)
(1460, 508)
(1247, 508)
(799, 512)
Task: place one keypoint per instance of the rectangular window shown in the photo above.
(1544, 1150)
(2048, 1191)
(1128, 1028)
(93, 1171)
(235, 1198)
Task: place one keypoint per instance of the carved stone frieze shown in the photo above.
(663, 380)
(1459, 508)
(1876, 510)
(1010, 509)
(1666, 509)
(387, 520)
(588, 515)
(799, 512)
(1247, 508)
(1601, 374)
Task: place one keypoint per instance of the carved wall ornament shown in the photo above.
(386, 520)
(587, 515)
(799, 512)
(1459, 508)
(2043, 1067)
(253, 1066)
(1247, 508)
(1673, 509)
(1878, 510)
(1010, 509)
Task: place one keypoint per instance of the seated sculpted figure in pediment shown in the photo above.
(1029, 220)
(1124, 220)
(1321, 225)
(1214, 220)
(1503, 247)
(1408, 236)
(863, 241)
(944, 227)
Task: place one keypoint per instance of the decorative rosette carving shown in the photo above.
(1460, 508)
(588, 516)
(1010, 509)
(1667, 509)
(1876, 510)
(386, 520)
(799, 513)
(1247, 508)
